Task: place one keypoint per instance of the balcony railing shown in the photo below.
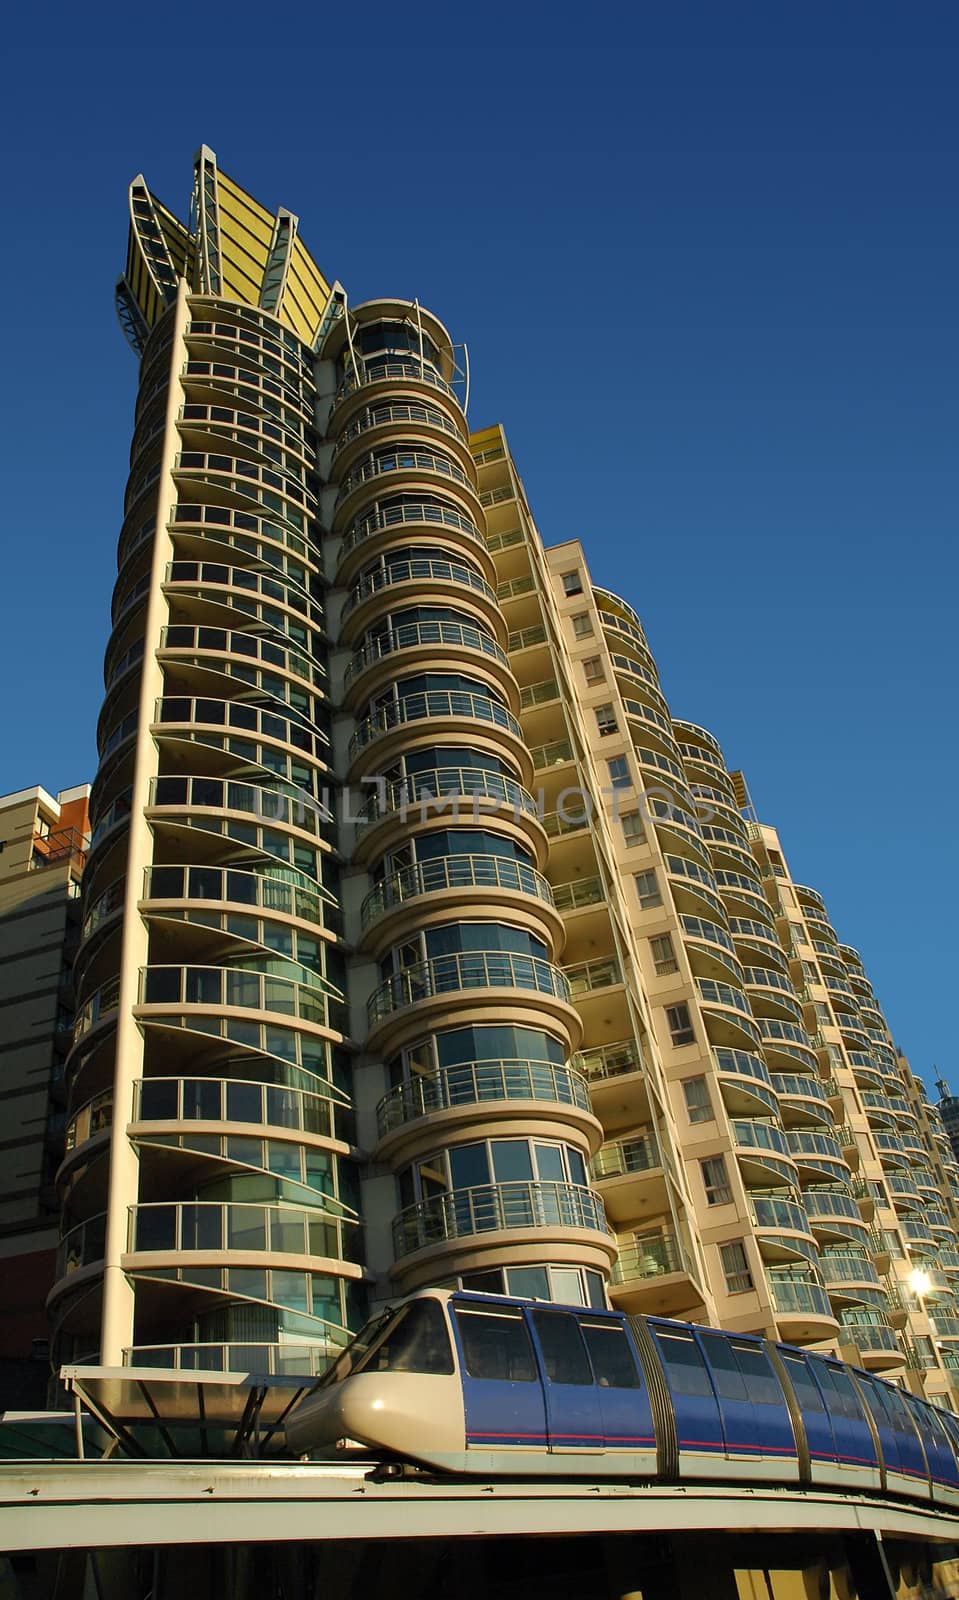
(588, 976)
(59, 844)
(578, 893)
(269, 1105)
(609, 1061)
(650, 1258)
(92, 1118)
(475, 1082)
(423, 569)
(409, 635)
(620, 1156)
(270, 1360)
(213, 987)
(453, 872)
(768, 1212)
(433, 703)
(251, 890)
(792, 1298)
(206, 1225)
(460, 1213)
(441, 789)
(82, 1245)
(472, 969)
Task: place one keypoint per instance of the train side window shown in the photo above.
(845, 1401)
(762, 1385)
(807, 1389)
(564, 1353)
(496, 1344)
(416, 1342)
(684, 1363)
(724, 1367)
(612, 1358)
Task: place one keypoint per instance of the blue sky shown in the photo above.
(705, 260)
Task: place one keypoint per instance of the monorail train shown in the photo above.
(485, 1384)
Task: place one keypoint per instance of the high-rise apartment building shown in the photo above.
(421, 944)
(42, 844)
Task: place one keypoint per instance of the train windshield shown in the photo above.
(413, 1339)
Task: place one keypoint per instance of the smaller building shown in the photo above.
(42, 846)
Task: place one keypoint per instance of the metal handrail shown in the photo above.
(473, 1082)
(453, 872)
(410, 634)
(256, 1357)
(433, 703)
(445, 784)
(459, 1213)
(472, 969)
(212, 1225)
(231, 1100)
(239, 987)
(430, 568)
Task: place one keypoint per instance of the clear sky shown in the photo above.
(705, 258)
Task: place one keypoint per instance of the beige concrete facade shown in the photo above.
(421, 944)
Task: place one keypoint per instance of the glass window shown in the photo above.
(606, 720)
(679, 1024)
(663, 954)
(716, 1181)
(610, 1354)
(572, 583)
(564, 1353)
(632, 826)
(696, 1095)
(762, 1385)
(496, 1344)
(724, 1367)
(417, 1341)
(530, 1282)
(647, 888)
(805, 1385)
(738, 1277)
(593, 670)
(512, 1162)
(685, 1367)
(582, 625)
(618, 770)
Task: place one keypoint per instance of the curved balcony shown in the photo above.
(874, 1337)
(464, 793)
(846, 1272)
(482, 977)
(240, 1100)
(656, 1276)
(745, 1083)
(289, 1359)
(501, 1208)
(180, 716)
(413, 639)
(784, 1040)
(251, 657)
(918, 1234)
(450, 705)
(208, 802)
(773, 990)
(391, 467)
(212, 522)
(162, 1228)
(237, 588)
(761, 1150)
(198, 990)
(377, 524)
(728, 1015)
(419, 575)
(483, 1083)
(499, 878)
(178, 888)
(81, 1250)
(802, 1095)
(387, 414)
(802, 1309)
(817, 1155)
(834, 1214)
(88, 1122)
(903, 1191)
(776, 1221)
(372, 373)
(751, 937)
(99, 1008)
